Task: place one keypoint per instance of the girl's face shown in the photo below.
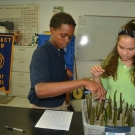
(126, 48)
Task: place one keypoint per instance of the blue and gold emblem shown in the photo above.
(6, 47)
(1, 61)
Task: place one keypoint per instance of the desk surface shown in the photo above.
(26, 119)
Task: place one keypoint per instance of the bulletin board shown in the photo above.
(97, 35)
(25, 19)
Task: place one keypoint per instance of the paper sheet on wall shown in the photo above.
(59, 120)
(25, 19)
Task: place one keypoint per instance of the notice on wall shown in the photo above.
(25, 19)
(57, 9)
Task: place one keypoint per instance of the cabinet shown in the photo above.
(20, 81)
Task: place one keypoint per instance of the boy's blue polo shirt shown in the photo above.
(47, 65)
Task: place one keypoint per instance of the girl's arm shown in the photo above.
(97, 71)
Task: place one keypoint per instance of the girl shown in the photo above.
(117, 71)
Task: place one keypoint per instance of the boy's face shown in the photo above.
(61, 37)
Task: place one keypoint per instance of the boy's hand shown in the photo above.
(96, 89)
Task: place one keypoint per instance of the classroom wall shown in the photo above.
(76, 8)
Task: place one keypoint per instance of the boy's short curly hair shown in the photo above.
(61, 18)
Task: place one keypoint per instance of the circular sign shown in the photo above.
(1, 61)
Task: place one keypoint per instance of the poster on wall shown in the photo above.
(57, 9)
(25, 19)
(6, 48)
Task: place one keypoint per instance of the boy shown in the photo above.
(48, 70)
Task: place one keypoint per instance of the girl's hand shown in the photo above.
(97, 71)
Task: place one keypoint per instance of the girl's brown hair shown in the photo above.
(110, 64)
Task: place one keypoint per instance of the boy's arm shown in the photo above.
(69, 73)
(51, 89)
